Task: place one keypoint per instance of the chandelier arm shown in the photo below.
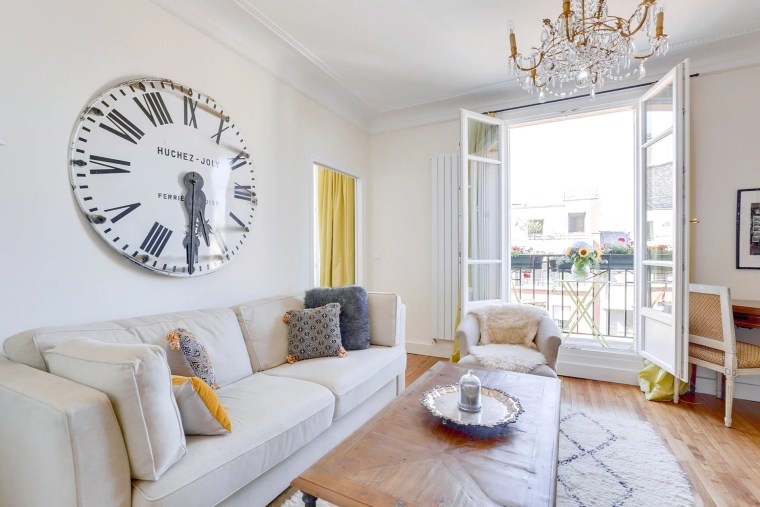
(528, 69)
(647, 5)
(644, 57)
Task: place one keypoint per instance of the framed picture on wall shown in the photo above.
(748, 228)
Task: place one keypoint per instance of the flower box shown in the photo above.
(617, 261)
(527, 261)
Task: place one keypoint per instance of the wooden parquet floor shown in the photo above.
(723, 464)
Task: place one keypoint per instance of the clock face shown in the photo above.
(164, 176)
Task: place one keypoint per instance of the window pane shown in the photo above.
(483, 139)
(485, 282)
(485, 211)
(658, 288)
(659, 112)
(659, 190)
(576, 222)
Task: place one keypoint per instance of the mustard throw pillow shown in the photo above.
(201, 411)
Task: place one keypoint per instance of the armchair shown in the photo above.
(547, 341)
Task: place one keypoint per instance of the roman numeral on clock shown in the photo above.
(124, 128)
(108, 165)
(218, 134)
(239, 161)
(156, 239)
(243, 192)
(190, 106)
(236, 219)
(128, 208)
(154, 108)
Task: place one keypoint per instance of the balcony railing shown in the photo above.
(607, 300)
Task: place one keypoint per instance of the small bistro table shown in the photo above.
(584, 305)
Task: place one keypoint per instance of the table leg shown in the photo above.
(309, 500)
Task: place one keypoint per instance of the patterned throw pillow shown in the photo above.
(354, 312)
(314, 333)
(196, 355)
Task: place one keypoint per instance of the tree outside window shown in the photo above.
(534, 227)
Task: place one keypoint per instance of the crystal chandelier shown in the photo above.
(586, 46)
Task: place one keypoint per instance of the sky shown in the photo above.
(583, 153)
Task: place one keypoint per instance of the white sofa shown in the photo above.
(60, 442)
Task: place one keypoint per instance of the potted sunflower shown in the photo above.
(582, 258)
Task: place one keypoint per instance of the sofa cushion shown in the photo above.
(352, 379)
(354, 312)
(387, 318)
(272, 418)
(216, 329)
(28, 347)
(136, 379)
(265, 335)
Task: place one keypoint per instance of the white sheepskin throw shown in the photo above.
(508, 323)
(518, 358)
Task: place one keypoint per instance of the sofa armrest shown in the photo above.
(468, 334)
(61, 443)
(548, 340)
(387, 319)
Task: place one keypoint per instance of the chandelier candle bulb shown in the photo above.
(469, 393)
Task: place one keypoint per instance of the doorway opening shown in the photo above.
(572, 183)
(336, 227)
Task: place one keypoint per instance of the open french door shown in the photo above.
(662, 223)
(484, 261)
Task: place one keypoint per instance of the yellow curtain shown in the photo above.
(455, 354)
(335, 209)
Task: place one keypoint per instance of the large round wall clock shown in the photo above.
(164, 176)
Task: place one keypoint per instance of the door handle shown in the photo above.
(694, 221)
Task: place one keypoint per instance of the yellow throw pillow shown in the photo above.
(199, 407)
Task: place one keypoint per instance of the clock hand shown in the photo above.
(205, 227)
(191, 240)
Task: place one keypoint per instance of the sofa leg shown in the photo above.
(309, 500)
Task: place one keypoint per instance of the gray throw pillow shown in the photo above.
(354, 312)
(314, 333)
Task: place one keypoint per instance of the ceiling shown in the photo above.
(393, 64)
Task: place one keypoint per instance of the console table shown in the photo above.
(746, 313)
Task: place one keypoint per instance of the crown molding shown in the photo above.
(316, 85)
(297, 46)
(312, 77)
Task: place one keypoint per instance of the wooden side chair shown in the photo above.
(712, 341)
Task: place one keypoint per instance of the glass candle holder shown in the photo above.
(469, 393)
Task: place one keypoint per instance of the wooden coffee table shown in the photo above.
(405, 456)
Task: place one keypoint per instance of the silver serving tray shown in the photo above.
(499, 408)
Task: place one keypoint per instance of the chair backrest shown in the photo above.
(711, 318)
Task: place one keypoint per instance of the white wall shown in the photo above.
(56, 56)
(725, 158)
(399, 225)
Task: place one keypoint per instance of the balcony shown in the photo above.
(597, 313)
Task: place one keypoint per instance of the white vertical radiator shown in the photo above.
(446, 240)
